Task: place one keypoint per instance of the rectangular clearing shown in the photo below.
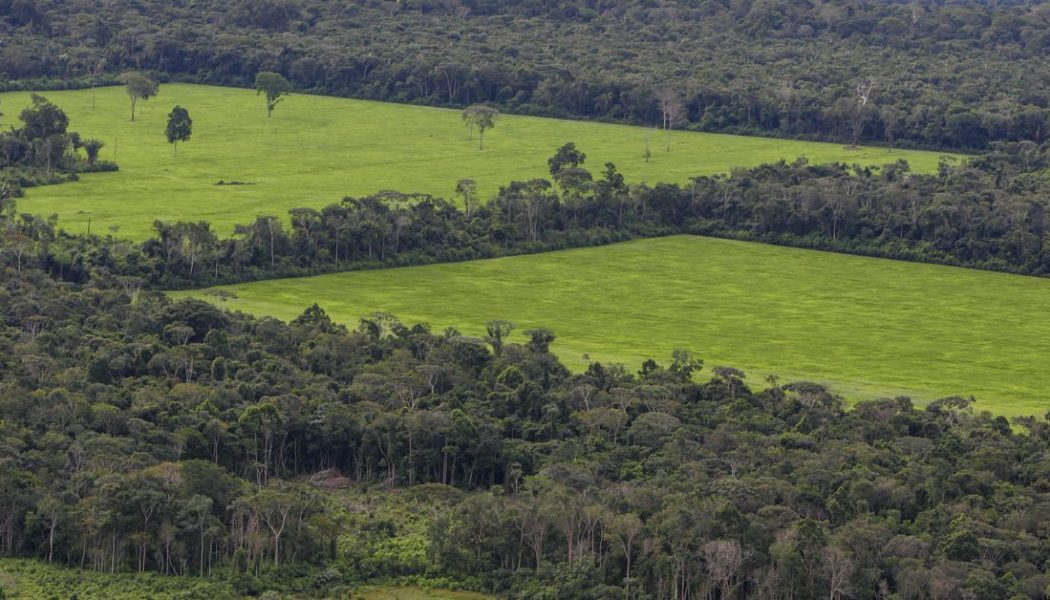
(870, 327)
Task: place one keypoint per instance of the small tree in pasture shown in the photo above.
(480, 116)
(180, 127)
(139, 86)
(274, 86)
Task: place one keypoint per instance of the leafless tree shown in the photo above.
(861, 109)
(724, 559)
(672, 111)
(839, 568)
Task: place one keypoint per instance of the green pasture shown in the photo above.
(870, 327)
(317, 150)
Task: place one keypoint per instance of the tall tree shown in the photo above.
(92, 148)
(139, 86)
(566, 157)
(480, 116)
(861, 110)
(672, 111)
(467, 189)
(180, 127)
(274, 86)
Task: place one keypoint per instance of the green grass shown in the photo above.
(316, 150)
(870, 327)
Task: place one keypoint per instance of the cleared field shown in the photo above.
(870, 327)
(316, 150)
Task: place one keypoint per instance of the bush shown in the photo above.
(328, 577)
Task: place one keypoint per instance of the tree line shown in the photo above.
(988, 212)
(954, 75)
(141, 434)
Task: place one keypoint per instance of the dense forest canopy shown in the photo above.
(141, 434)
(939, 74)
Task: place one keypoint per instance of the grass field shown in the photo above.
(870, 327)
(316, 150)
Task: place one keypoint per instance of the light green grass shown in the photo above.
(870, 327)
(316, 150)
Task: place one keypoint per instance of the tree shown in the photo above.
(92, 147)
(839, 570)
(625, 528)
(480, 116)
(275, 86)
(467, 189)
(724, 559)
(180, 127)
(566, 157)
(672, 111)
(497, 331)
(861, 110)
(139, 86)
(891, 117)
(43, 120)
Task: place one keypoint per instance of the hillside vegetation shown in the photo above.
(263, 341)
(32, 580)
(868, 327)
(316, 150)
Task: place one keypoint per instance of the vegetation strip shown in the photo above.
(315, 150)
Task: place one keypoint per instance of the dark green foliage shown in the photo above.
(137, 433)
(42, 151)
(566, 157)
(179, 127)
(959, 74)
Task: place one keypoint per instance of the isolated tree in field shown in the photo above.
(480, 116)
(274, 86)
(566, 157)
(180, 127)
(96, 72)
(672, 112)
(139, 86)
(92, 148)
